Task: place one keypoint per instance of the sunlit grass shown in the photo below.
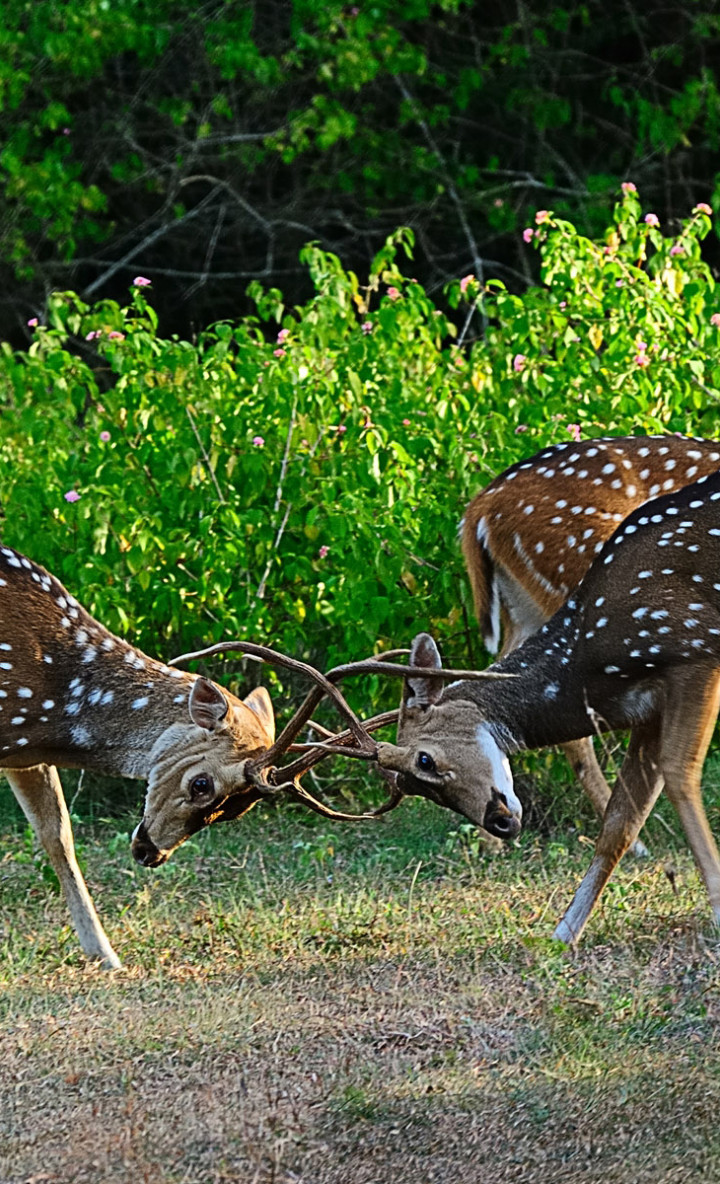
(307, 1002)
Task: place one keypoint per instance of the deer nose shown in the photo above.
(499, 820)
(144, 850)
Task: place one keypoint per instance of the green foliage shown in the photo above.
(305, 490)
(208, 142)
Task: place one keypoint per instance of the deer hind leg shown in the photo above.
(39, 792)
(584, 763)
(688, 724)
(636, 790)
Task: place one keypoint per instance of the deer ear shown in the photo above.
(208, 706)
(423, 692)
(259, 702)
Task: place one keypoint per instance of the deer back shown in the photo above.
(529, 537)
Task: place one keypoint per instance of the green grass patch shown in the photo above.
(331, 1004)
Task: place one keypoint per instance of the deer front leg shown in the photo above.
(39, 792)
(688, 725)
(584, 763)
(636, 790)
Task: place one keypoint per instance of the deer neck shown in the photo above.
(109, 718)
(542, 703)
(72, 693)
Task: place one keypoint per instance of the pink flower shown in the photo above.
(393, 293)
(628, 187)
(715, 319)
(279, 353)
(465, 282)
(652, 220)
(574, 430)
(521, 427)
(677, 249)
(32, 323)
(115, 336)
(323, 551)
(519, 362)
(283, 336)
(141, 281)
(91, 336)
(406, 423)
(562, 304)
(66, 131)
(258, 441)
(542, 216)
(642, 360)
(104, 436)
(342, 429)
(367, 327)
(528, 234)
(703, 208)
(71, 496)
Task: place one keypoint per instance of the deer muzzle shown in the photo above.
(499, 820)
(144, 850)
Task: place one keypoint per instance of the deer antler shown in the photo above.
(262, 772)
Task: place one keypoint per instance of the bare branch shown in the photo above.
(206, 458)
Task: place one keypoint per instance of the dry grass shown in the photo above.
(394, 1024)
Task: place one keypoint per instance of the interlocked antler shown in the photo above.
(262, 772)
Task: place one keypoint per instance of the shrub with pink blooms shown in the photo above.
(297, 477)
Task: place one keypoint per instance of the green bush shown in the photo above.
(297, 477)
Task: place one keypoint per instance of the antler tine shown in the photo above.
(334, 745)
(324, 687)
(298, 792)
(377, 666)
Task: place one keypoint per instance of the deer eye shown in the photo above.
(426, 762)
(202, 787)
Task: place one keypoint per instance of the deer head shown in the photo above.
(446, 751)
(199, 769)
(226, 761)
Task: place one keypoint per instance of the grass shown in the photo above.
(339, 1005)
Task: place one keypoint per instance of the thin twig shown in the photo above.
(166, 228)
(206, 458)
(260, 594)
(454, 195)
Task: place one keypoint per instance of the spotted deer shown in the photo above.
(529, 537)
(637, 646)
(75, 696)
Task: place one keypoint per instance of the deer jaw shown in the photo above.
(197, 769)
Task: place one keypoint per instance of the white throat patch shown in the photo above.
(500, 765)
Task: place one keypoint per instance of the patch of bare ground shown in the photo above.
(420, 1069)
(307, 1006)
